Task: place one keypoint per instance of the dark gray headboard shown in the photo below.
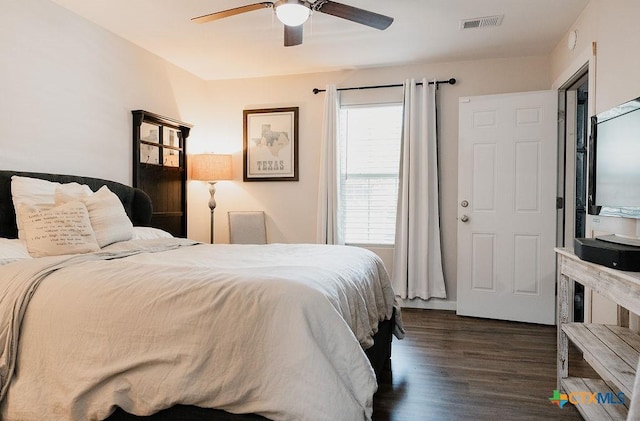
(135, 201)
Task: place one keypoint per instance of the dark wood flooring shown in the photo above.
(461, 368)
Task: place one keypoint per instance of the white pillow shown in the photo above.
(12, 249)
(149, 233)
(108, 217)
(26, 191)
(65, 229)
(71, 191)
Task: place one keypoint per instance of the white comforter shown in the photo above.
(276, 330)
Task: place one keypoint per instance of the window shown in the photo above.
(369, 162)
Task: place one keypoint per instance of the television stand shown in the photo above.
(612, 351)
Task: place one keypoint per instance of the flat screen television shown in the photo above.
(614, 162)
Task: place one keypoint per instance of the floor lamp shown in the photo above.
(212, 168)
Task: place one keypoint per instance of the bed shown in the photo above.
(171, 329)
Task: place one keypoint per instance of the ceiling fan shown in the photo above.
(293, 13)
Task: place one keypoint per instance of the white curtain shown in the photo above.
(329, 229)
(417, 260)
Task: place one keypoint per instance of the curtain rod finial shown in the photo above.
(452, 81)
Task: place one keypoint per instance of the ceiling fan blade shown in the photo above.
(354, 14)
(232, 12)
(292, 35)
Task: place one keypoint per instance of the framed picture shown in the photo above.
(271, 144)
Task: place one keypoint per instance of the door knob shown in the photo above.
(464, 218)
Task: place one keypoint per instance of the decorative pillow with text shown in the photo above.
(35, 192)
(64, 229)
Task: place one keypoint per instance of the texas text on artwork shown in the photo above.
(274, 141)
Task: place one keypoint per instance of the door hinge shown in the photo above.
(559, 203)
(561, 115)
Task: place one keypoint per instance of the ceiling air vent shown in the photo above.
(481, 22)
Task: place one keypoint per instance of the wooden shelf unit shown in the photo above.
(160, 168)
(612, 351)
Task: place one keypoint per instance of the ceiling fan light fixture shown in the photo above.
(292, 12)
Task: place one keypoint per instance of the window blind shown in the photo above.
(370, 137)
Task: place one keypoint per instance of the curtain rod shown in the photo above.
(451, 81)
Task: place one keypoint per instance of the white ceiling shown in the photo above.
(251, 44)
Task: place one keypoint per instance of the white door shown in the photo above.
(507, 206)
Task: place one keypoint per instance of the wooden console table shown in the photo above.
(612, 351)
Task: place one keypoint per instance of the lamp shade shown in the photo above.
(210, 167)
